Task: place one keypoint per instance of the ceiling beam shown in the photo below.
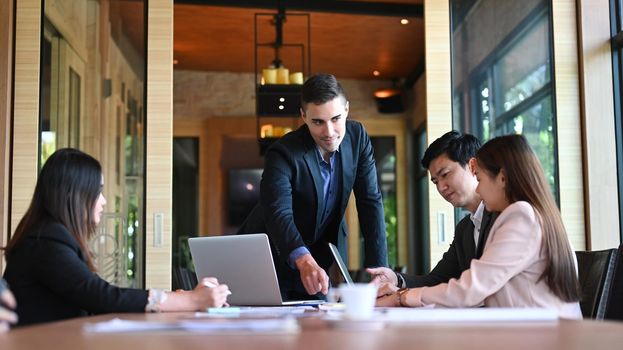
(346, 7)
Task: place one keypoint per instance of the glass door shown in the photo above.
(92, 98)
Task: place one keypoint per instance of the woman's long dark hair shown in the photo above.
(525, 181)
(66, 192)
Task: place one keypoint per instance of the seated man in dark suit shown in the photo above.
(450, 161)
(307, 180)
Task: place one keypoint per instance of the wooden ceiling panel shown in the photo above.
(127, 18)
(213, 38)
(356, 45)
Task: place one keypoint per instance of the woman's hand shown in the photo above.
(387, 295)
(209, 293)
(388, 300)
(386, 289)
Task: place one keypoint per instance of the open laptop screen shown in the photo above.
(245, 264)
(341, 265)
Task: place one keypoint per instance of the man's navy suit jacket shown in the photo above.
(292, 201)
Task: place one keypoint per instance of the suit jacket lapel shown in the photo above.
(346, 153)
(311, 159)
(469, 244)
(485, 226)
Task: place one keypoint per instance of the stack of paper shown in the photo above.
(283, 325)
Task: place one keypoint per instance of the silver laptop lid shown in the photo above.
(243, 262)
(340, 264)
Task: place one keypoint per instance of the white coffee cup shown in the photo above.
(359, 299)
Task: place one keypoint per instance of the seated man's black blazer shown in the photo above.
(51, 281)
(460, 254)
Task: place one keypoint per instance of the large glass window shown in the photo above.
(502, 74)
(92, 97)
(385, 157)
(420, 211)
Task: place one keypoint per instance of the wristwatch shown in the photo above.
(400, 281)
(401, 292)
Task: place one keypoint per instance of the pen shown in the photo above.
(209, 284)
(212, 285)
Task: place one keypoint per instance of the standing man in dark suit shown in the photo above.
(307, 180)
(450, 161)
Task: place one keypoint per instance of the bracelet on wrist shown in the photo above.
(401, 296)
(155, 299)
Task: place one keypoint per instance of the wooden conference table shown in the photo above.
(450, 336)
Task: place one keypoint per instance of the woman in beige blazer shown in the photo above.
(527, 259)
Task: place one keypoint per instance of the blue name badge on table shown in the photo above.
(255, 311)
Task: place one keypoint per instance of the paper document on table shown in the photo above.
(119, 325)
(480, 314)
(283, 325)
(275, 325)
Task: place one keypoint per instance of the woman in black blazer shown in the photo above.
(49, 266)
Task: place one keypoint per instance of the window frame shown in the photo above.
(616, 42)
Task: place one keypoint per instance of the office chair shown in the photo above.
(614, 307)
(183, 278)
(596, 270)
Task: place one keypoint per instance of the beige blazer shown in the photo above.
(507, 274)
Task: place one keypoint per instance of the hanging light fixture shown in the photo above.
(389, 100)
(277, 87)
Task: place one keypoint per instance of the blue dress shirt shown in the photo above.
(330, 187)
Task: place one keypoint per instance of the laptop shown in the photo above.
(340, 264)
(245, 264)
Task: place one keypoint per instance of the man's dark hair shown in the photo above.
(459, 148)
(321, 88)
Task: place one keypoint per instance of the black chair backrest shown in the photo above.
(183, 278)
(614, 308)
(595, 273)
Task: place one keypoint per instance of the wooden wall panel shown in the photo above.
(438, 112)
(568, 123)
(159, 174)
(26, 106)
(600, 168)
